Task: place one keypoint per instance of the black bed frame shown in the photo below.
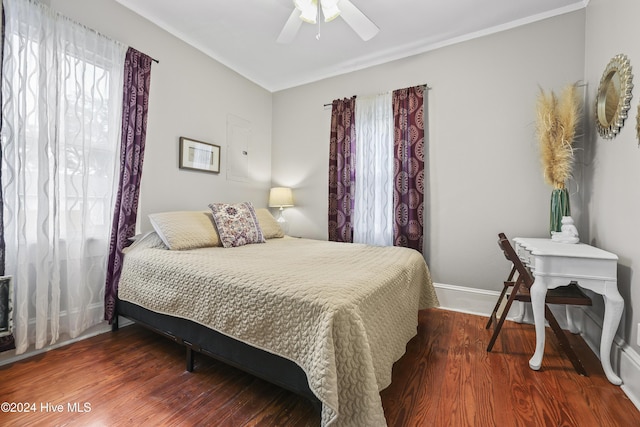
(198, 338)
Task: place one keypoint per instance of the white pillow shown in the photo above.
(182, 230)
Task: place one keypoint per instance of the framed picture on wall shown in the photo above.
(198, 155)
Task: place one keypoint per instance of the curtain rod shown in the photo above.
(426, 86)
(152, 58)
(47, 8)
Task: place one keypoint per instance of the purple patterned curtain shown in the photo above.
(135, 103)
(408, 141)
(342, 169)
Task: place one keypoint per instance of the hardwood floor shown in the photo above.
(446, 378)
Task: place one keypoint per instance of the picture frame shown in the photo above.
(6, 305)
(199, 155)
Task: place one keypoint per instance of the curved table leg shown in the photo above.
(613, 306)
(538, 294)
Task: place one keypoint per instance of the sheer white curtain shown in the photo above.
(62, 106)
(373, 204)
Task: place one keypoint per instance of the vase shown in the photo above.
(559, 207)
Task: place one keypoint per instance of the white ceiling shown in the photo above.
(242, 33)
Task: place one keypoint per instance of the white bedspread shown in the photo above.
(343, 312)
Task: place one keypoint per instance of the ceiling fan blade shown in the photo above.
(291, 28)
(357, 20)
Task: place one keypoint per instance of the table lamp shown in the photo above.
(281, 197)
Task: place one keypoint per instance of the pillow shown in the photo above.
(181, 230)
(150, 239)
(237, 224)
(270, 227)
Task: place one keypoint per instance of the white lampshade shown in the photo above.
(280, 197)
(330, 10)
(308, 10)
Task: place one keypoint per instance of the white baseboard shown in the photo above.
(625, 360)
(471, 300)
(630, 373)
(10, 356)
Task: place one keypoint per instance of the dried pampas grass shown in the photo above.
(557, 121)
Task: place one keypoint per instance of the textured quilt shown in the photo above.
(342, 312)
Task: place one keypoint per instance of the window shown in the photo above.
(62, 96)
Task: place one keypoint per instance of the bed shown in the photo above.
(324, 319)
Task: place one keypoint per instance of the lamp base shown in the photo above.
(282, 222)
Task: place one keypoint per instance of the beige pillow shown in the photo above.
(181, 230)
(270, 227)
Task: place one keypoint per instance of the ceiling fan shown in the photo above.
(309, 11)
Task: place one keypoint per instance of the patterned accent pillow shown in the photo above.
(237, 224)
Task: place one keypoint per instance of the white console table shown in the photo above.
(556, 264)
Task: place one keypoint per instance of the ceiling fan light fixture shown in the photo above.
(308, 10)
(330, 9)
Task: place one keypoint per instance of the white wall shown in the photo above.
(484, 170)
(191, 95)
(612, 173)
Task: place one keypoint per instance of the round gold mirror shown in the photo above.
(609, 99)
(614, 96)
